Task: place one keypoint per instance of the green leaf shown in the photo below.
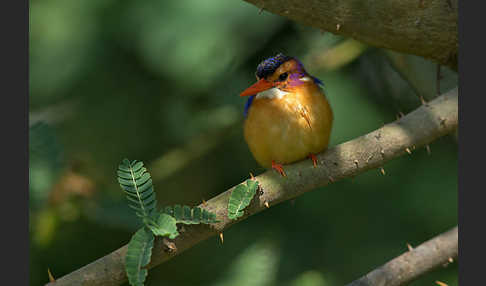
(137, 184)
(186, 215)
(165, 225)
(240, 198)
(138, 256)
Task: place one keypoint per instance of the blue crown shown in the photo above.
(268, 66)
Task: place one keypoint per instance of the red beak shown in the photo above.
(257, 87)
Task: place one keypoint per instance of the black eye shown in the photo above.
(283, 76)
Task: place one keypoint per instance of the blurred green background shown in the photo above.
(158, 81)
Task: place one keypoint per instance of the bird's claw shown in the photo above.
(278, 168)
(314, 159)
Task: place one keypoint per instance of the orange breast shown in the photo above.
(289, 128)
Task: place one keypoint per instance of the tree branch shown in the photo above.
(412, 264)
(420, 127)
(423, 28)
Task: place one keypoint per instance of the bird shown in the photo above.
(287, 115)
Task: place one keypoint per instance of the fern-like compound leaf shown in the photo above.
(164, 225)
(137, 184)
(186, 215)
(138, 256)
(240, 198)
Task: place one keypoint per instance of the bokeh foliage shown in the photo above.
(159, 81)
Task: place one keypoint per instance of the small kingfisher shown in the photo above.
(287, 115)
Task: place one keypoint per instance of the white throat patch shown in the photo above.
(271, 93)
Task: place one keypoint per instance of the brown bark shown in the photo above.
(405, 268)
(423, 28)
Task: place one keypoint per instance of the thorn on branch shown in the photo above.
(260, 190)
(369, 158)
(331, 179)
(428, 149)
(408, 151)
(252, 177)
(266, 204)
(382, 152)
(382, 171)
(221, 237)
(338, 27)
(440, 283)
(449, 261)
(410, 248)
(51, 278)
(261, 10)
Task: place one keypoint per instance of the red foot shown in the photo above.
(278, 168)
(314, 159)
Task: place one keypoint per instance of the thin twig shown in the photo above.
(400, 64)
(413, 263)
